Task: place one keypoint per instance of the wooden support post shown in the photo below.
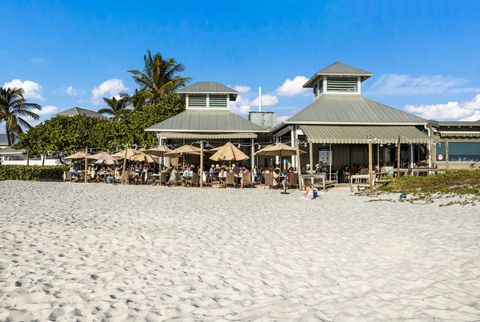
(86, 164)
(446, 156)
(310, 147)
(299, 165)
(124, 168)
(370, 164)
(398, 157)
(201, 164)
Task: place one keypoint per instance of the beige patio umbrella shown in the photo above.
(78, 155)
(103, 158)
(184, 149)
(143, 157)
(228, 152)
(128, 153)
(280, 149)
(158, 151)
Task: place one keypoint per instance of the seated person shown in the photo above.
(310, 191)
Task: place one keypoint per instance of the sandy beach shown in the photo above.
(100, 252)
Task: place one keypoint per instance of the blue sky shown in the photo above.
(424, 54)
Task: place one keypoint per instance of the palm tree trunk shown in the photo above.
(9, 138)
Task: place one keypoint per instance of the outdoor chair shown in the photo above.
(67, 176)
(230, 179)
(149, 178)
(195, 181)
(163, 179)
(268, 180)
(125, 177)
(247, 180)
(293, 180)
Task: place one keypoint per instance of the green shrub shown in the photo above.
(24, 172)
(456, 182)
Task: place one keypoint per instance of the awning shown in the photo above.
(355, 134)
(460, 134)
(206, 136)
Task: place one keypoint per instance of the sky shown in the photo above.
(424, 55)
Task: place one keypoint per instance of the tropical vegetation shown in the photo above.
(15, 111)
(154, 101)
(25, 172)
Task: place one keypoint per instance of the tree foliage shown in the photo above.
(73, 133)
(159, 77)
(153, 102)
(14, 110)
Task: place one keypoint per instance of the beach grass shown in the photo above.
(459, 182)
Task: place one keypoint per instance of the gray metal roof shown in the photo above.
(208, 88)
(214, 121)
(352, 109)
(338, 69)
(207, 136)
(456, 123)
(80, 111)
(358, 134)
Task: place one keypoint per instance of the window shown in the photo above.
(342, 84)
(315, 90)
(459, 151)
(320, 86)
(197, 100)
(218, 101)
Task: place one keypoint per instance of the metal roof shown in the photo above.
(206, 136)
(209, 88)
(215, 121)
(10, 151)
(355, 134)
(351, 109)
(80, 111)
(460, 134)
(456, 123)
(338, 69)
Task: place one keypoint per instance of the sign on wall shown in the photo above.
(325, 157)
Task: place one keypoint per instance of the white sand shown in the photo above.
(92, 252)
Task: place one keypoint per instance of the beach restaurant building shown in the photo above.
(334, 130)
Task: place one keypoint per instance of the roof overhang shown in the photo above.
(206, 135)
(460, 134)
(348, 134)
(311, 82)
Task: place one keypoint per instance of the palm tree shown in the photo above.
(116, 107)
(159, 77)
(13, 110)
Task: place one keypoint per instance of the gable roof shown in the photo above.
(80, 111)
(352, 109)
(206, 121)
(209, 88)
(338, 69)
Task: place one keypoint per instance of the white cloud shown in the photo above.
(267, 100)
(46, 110)
(31, 89)
(109, 88)
(71, 91)
(463, 111)
(283, 118)
(240, 106)
(393, 84)
(241, 89)
(292, 87)
(244, 103)
(37, 60)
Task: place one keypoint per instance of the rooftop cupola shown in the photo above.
(337, 78)
(207, 96)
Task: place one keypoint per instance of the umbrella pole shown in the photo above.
(124, 165)
(201, 164)
(86, 164)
